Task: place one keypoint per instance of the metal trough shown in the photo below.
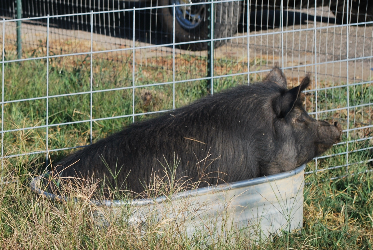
(259, 207)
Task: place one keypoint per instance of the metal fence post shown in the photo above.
(47, 158)
(210, 52)
(19, 39)
(2, 99)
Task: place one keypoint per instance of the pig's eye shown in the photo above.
(301, 119)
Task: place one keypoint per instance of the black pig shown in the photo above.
(244, 132)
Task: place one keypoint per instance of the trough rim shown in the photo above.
(35, 186)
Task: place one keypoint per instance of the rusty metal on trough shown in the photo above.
(259, 207)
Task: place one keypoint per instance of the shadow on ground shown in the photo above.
(147, 23)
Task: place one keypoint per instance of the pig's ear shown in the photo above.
(286, 102)
(277, 77)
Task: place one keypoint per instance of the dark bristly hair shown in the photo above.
(238, 134)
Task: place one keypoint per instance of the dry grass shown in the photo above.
(337, 215)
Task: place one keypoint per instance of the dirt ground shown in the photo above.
(338, 51)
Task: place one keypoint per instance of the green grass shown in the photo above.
(73, 75)
(337, 214)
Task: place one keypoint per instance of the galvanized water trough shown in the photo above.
(259, 207)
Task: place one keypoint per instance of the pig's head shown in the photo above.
(297, 137)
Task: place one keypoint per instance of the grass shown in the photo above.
(338, 214)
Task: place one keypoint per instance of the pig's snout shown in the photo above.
(337, 132)
(329, 133)
(339, 128)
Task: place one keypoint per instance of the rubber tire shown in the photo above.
(227, 17)
(361, 11)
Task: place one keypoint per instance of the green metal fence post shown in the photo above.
(19, 39)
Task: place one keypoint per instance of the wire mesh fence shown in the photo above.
(88, 68)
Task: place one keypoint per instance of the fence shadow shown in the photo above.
(147, 23)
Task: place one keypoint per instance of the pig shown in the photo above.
(241, 133)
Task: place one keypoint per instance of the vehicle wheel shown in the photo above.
(360, 11)
(192, 22)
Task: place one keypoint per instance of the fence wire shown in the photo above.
(88, 68)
